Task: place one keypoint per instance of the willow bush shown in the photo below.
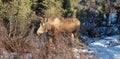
(18, 13)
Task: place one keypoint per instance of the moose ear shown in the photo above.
(46, 19)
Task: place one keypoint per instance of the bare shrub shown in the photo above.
(55, 47)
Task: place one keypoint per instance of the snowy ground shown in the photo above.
(107, 47)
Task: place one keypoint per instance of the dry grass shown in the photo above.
(57, 46)
(54, 48)
(40, 48)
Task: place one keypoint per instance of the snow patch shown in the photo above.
(107, 48)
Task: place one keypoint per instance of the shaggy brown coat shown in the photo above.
(70, 25)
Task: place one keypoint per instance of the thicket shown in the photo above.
(20, 17)
(16, 15)
(47, 8)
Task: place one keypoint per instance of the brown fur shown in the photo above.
(56, 25)
(60, 25)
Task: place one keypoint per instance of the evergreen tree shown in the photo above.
(101, 8)
(70, 8)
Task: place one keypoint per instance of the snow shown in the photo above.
(76, 53)
(107, 48)
(112, 18)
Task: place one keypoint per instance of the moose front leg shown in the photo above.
(75, 34)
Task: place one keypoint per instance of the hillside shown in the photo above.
(90, 29)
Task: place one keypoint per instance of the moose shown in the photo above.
(55, 24)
